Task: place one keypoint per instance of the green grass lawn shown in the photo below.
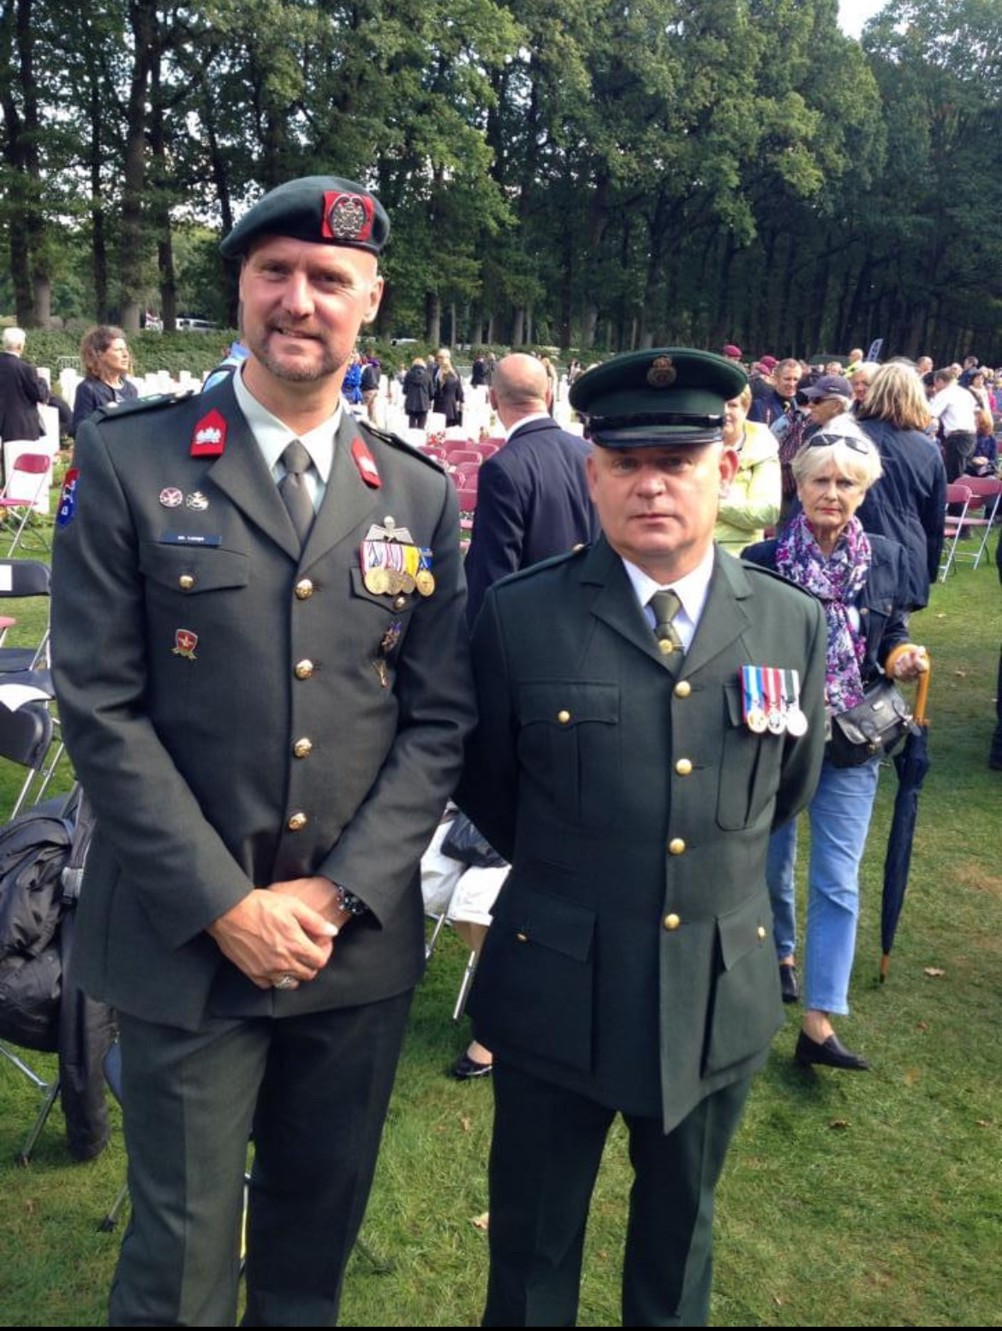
(848, 1199)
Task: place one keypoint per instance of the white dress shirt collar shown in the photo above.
(273, 435)
(526, 420)
(691, 590)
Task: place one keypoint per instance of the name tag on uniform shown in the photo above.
(189, 538)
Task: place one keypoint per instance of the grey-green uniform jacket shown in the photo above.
(239, 713)
(630, 957)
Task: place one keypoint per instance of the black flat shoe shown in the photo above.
(789, 988)
(466, 1068)
(831, 1054)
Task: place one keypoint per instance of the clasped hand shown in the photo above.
(287, 929)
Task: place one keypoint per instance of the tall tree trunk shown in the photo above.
(433, 318)
(143, 23)
(160, 203)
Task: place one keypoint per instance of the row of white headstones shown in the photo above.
(387, 413)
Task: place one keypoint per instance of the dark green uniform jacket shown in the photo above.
(631, 956)
(241, 713)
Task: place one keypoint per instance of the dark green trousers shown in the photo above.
(545, 1155)
(313, 1091)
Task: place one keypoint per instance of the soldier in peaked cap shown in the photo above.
(649, 710)
(258, 622)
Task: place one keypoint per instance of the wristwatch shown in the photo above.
(349, 902)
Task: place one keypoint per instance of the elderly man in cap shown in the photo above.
(650, 709)
(258, 621)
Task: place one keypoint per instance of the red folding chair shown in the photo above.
(467, 496)
(958, 496)
(986, 492)
(487, 449)
(465, 454)
(37, 467)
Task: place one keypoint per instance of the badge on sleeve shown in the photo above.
(209, 437)
(185, 642)
(68, 498)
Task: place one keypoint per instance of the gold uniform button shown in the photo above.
(684, 766)
(186, 581)
(304, 589)
(303, 747)
(399, 602)
(683, 688)
(297, 822)
(563, 717)
(672, 921)
(522, 938)
(303, 669)
(761, 933)
(676, 846)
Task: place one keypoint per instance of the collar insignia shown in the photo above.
(209, 438)
(366, 465)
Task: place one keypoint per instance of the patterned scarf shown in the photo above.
(836, 582)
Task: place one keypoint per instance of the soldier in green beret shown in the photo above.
(259, 654)
(649, 710)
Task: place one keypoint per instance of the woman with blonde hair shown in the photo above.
(908, 503)
(752, 502)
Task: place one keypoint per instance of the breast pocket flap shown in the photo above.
(567, 705)
(192, 570)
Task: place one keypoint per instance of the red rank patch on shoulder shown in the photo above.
(209, 437)
(366, 465)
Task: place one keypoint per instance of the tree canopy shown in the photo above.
(591, 175)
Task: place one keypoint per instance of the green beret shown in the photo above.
(646, 399)
(324, 209)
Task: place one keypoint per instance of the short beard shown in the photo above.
(295, 372)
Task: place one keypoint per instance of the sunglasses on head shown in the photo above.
(823, 440)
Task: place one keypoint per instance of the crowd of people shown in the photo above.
(630, 718)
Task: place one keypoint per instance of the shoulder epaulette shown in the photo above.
(394, 440)
(111, 411)
(534, 570)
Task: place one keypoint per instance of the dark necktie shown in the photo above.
(666, 606)
(292, 487)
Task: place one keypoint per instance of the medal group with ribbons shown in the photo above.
(392, 563)
(770, 700)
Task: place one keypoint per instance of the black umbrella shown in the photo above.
(912, 763)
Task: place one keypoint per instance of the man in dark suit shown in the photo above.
(532, 495)
(22, 390)
(258, 639)
(628, 764)
(532, 502)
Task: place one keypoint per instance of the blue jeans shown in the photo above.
(840, 818)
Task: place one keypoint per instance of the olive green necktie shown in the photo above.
(666, 606)
(292, 487)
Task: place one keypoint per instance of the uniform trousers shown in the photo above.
(545, 1155)
(313, 1091)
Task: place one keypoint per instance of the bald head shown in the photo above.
(521, 387)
